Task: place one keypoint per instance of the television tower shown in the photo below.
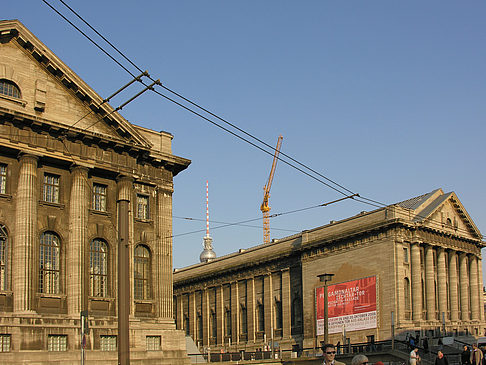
(208, 254)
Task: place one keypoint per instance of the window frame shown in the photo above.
(51, 191)
(142, 284)
(100, 198)
(3, 178)
(54, 343)
(4, 259)
(153, 343)
(99, 279)
(12, 89)
(106, 343)
(5, 345)
(52, 252)
(143, 207)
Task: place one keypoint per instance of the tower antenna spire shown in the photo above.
(208, 254)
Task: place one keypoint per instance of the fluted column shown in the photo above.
(473, 280)
(416, 282)
(286, 304)
(430, 282)
(464, 287)
(442, 281)
(25, 236)
(78, 236)
(480, 289)
(205, 316)
(235, 313)
(453, 286)
(250, 288)
(163, 249)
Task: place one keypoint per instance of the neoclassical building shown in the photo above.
(414, 264)
(67, 160)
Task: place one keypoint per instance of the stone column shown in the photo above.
(400, 269)
(250, 298)
(430, 283)
(464, 287)
(473, 279)
(76, 268)
(205, 316)
(453, 286)
(416, 282)
(192, 314)
(179, 312)
(442, 281)
(235, 313)
(480, 289)
(220, 314)
(268, 304)
(163, 248)
(286, 304)
(25, 278)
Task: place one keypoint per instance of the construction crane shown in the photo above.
(266, 194)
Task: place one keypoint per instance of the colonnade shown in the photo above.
(444, 282)
(243, 297)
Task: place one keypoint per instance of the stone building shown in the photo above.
(66, 159)
(420, 258)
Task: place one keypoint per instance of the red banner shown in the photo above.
(351, 305)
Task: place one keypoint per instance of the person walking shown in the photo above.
(414, 356)
(476, 357)
(360, 360)
(466, 356)
(441, 359)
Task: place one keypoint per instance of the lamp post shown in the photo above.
(325, 278)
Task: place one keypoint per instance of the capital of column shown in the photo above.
(25, 156)
(80, 168)
(125, 187)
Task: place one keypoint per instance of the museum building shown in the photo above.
(415, 265)
(67, 158)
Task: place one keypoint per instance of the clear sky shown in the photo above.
(386, 98)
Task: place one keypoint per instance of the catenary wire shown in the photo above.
(361, 199)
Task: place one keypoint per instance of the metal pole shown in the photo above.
(325, 313)
(123, 284)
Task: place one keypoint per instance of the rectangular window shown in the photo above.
(3, 179)
(57, 343)
(4, 343)
(99, 197)
(153, 343)
(51, 188)
(108, 343)
(142, 206)
(405, 254)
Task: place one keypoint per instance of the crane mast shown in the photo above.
(265, 208)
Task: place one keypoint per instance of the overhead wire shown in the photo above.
(358, 198)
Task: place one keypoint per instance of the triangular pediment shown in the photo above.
(442, 211)
(51, 91)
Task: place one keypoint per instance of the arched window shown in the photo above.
(8, 88)
(4, 261)
(49, 266)
(142, 272)
(98, 268)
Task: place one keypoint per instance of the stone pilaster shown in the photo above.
(250, 290)
(220, 314)
(442, 281)
(205, 316)
(163, 248)
(78, 245)
(286, 304)
(464, 287)
(192, 314)
(235, 313)
(25, 278)
(454, 295)
(430, 283)
(268, 304)
(416, 282)
(473, 279)
(480, 289)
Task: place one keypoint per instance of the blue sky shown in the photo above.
(385, 98)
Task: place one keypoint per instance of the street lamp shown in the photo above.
(325, 278)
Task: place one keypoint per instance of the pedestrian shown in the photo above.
(329, 352)
(476, 357)
(425, 345)
(441, 359)
(414, 356)
(466, 356)
(359, 360)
